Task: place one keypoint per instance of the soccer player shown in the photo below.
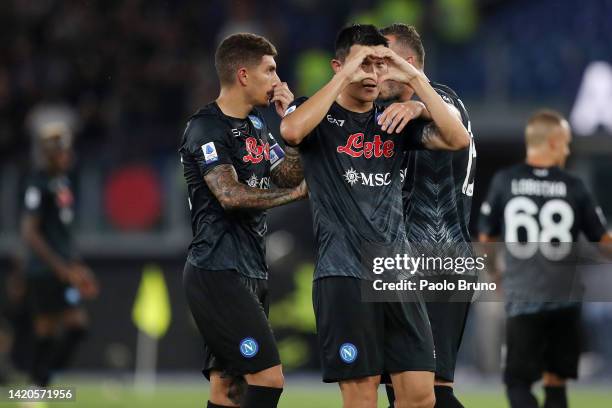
(230, 157)
(56, 279)
(437, 197)
(353, 173)
(540, 203)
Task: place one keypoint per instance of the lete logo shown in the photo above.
(256, 152)
(356, 147)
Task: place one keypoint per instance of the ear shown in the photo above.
(243, 76)
(336, 65)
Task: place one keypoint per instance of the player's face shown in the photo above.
(60, 159)
(368, 89)
(392, 89)
(262, 80)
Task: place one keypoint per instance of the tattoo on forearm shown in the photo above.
(289, 173)
(430, 135)
(232, 194)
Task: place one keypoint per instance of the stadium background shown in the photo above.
(125, 75)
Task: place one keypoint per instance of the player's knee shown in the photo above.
(552, 380)
(361, 394)
(271, 377)
(421, 399)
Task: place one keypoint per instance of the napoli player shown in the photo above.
(230, 159)
(539, 203)
(353, 173)
(437, 197)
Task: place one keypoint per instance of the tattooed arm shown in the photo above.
(232, 194)
(289, 173)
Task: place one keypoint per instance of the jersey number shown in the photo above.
(522, 212)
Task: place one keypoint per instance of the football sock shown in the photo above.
(555, 397)
(520, 396)
(261, 397)
(445, 398)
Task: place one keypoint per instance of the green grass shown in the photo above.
(114, 395)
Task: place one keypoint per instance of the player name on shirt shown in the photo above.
(542, 188)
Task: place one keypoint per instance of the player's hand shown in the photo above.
(83, 279)
(281, 97)
(397, 115)
(398, 69)
(353, 66)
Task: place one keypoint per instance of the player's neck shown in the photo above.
(233, 103)
(537, 159)
(354, 105)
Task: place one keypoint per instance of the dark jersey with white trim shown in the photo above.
(50, 199)
(533, 209)
(437, 193)
(353, 172)
(227, 240)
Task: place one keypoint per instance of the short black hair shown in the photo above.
(357, 34)
(407, 36)
(242, 49)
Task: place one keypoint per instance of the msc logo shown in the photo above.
(356, 147)
(348, 353)
(249, 347)
(352, 177)
(333, 121)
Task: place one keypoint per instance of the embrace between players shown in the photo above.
(336, 143)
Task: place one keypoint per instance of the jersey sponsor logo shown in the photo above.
(256, 122)
(210, 152)
(249, 347)
(256, 151)
(348, 353)
(257, 182)
(334, 121)
(352, 177)
(356, 147)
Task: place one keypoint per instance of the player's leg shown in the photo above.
(74, 323)
(525, 348)
(46, 301)
(46, 326)
(350, 337)
(409, 353)
(220, 385)
(413, 389)
(234, 326)
(448, 321)
(360, 392)
(562, 355)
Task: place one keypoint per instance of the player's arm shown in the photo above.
(222, 180)
(449, 132)
(288, 172)
(34, 239)
(594, 221)
(489, 224)
(296, 126)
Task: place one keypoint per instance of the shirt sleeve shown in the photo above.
(412, 135)
(33, 198)
(208, 142)
(491, 210)
(593, 219)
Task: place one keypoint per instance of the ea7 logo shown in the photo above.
(339, 122)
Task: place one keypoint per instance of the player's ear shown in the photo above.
(243, 76)
(336, 65)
